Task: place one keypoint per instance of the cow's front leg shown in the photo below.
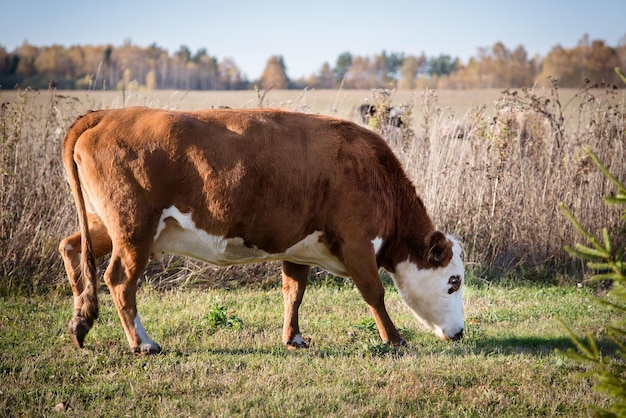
(295, 277)
(363, 270)
(122, 282)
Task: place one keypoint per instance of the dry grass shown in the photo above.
(489, 166)
(497, 181)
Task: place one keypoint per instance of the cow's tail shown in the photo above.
(84, 319)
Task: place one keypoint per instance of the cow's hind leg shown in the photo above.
(121, 277)
(295, 277)
(69, 248)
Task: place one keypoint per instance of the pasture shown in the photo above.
(506, 365)
(491, 180)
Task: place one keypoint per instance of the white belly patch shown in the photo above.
(184, 238)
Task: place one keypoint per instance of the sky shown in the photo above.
(308, 33)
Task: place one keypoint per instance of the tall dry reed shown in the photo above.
(496, 180)
(493, 178)
(35, 203)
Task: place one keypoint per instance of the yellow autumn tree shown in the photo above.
(275, 74)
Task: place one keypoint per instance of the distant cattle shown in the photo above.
(240, 186)
(522, 123)
(385, 115)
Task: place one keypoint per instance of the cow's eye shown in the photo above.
(455, 284)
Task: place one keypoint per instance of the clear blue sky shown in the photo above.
(307, 34)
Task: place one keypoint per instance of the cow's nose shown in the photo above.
(457, 336)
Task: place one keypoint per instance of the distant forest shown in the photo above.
(133, 67)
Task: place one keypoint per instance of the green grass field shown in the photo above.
(498, 192)
(508, 364)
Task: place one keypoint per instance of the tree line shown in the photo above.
(130, 66)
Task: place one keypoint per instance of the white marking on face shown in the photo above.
(425, 292)
(186, 239)
(147, 345)
(377, 243)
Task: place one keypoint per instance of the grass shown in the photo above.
(508, 364)
(492, 180)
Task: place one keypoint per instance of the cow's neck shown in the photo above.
(406, 240)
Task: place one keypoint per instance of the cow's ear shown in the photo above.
(439, 249)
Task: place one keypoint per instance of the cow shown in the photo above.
(390, 117)
(232, 186)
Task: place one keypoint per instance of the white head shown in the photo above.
(435, 295)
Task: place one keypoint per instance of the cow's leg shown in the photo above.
(69, 248)
(295, 277)
(126, 265)
(361, 264)
(70, 253)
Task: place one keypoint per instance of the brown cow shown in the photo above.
(240, 186)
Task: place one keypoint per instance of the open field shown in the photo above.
(506, 365)
(342, 103)
(489, 179)
(484, 175)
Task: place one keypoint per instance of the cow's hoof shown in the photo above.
(78, 327)
(399, 343)
(147, 349)
(297, 342)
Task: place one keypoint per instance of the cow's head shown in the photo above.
(434, 294)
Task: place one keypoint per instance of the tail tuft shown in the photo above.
(79, 327)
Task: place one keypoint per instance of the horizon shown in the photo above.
(306, 38)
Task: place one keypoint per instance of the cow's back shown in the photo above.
(269, 177)
(306, 173)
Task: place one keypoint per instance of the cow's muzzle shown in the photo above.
(457, 336)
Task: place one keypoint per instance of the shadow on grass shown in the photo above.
(529, 345)
(533, 345)
(488, 347)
